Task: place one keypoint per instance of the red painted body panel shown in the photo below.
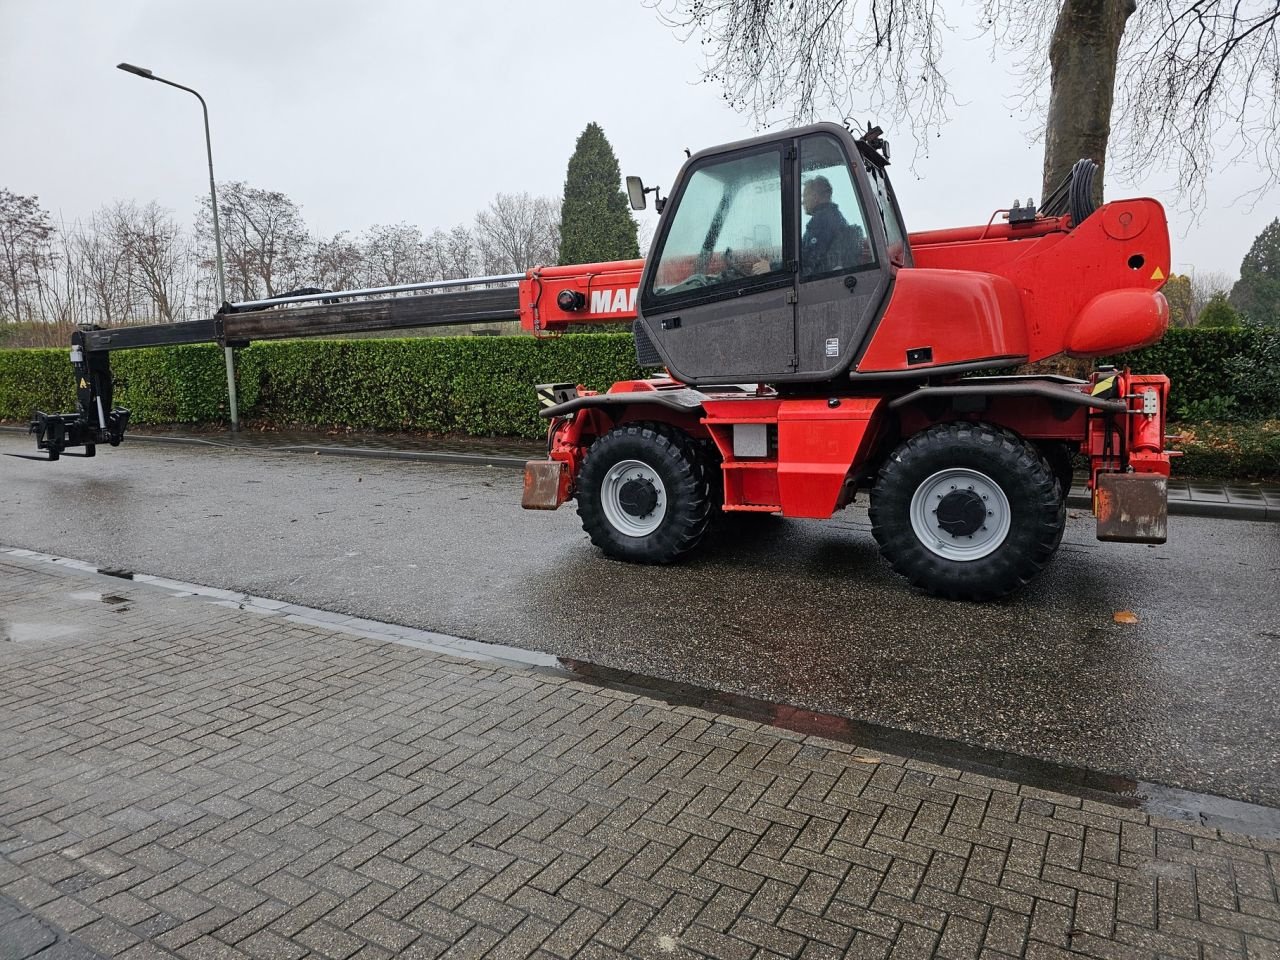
(818, 449)
(608, 293)
(1115, 321)
(960, 315)
(1124, 245)
(924, 240)
(814, 449)
(1090, 292)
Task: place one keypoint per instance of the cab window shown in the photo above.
(834, 236)
(727, 230)
(896, 236)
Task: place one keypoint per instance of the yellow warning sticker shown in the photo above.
(1158, 275)
(1102, 386)
(83, 385)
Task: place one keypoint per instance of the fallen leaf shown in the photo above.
(1125, 616)
(872, 760)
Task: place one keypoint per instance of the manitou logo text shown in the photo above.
(614, 301)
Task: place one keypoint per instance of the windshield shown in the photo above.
(728, 226)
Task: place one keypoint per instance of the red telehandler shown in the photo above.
(811, 348)
(814, 348)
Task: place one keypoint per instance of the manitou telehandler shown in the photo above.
(811, 348)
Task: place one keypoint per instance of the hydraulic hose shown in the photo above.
(1074, 194)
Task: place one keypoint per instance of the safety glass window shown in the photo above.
(834, 236)
(727, 230)
(888, 212)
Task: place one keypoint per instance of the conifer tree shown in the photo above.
(596, 223)
(1257, 292)
(1218, 313)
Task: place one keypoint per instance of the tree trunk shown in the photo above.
(1082, 60)
(1082, 80)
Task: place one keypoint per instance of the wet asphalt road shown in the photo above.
(802, 612)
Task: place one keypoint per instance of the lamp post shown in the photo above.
(217, 230)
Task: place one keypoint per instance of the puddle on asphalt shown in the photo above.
(93, 595)
(19, 631)
(33, 631)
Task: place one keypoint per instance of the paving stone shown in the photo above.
(24, 937)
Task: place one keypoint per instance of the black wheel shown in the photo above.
(1059, 456)
(90, 450)
(967, 511)
(643, 493)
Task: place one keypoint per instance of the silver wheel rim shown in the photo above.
(983, 541)
(611, 493)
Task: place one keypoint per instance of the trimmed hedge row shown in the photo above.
(484, 385)
(481, 386)
(1216, 373)
(1229, 451)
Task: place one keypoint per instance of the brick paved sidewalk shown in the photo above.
(180, 778)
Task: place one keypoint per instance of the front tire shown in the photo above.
(643, 493)
(967, 511)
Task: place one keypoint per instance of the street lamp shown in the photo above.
(217, 231)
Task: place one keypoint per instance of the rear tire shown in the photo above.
(644, 494)
(1060, 458)
(967, 511)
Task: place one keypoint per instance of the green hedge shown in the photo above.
(35, 380)
(1216, 373)
(476, 385)
(1229, 451)
(484, 385)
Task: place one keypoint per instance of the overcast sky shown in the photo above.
(381, 111)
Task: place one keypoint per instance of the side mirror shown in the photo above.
(636, 191)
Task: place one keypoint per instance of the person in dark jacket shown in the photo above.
(829, 243)
(821, 247)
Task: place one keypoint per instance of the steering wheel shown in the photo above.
(731, 270)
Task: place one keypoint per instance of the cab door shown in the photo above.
(845, 264)
(718, 295)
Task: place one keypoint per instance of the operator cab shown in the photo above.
(773, 258)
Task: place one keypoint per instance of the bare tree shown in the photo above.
(157, 257)
(25, 230)
(338, 264)
(59, 287)
(459, 254)
(644, 234)
(394, 254)
(105, 272)
(1185, 71)
(264, 240)
(435, 249)
(518, 231)
(1205, 286)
